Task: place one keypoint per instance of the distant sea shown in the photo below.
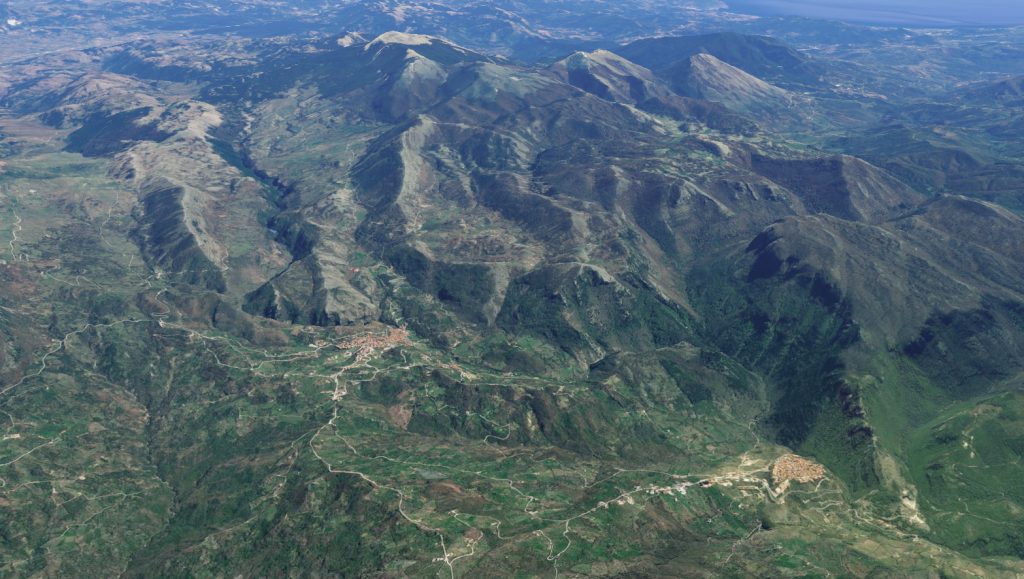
(902, 12)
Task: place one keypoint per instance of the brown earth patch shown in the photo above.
(449, 496)
(446, 487)
(400, 415)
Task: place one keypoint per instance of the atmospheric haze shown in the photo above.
(908, 12)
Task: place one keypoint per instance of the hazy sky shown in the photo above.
(999, 12)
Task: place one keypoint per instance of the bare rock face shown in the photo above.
(709, 78)
(195, 203)
(611, 77)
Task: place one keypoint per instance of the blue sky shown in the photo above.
(999, 12)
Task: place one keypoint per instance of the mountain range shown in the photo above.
(507, 289)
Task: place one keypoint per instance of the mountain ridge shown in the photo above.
(381, 303)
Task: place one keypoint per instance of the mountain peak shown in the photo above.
(606, 59)
(351, 39)
(758, 55)
(606, 75)
(713, 79)
(403, 38)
